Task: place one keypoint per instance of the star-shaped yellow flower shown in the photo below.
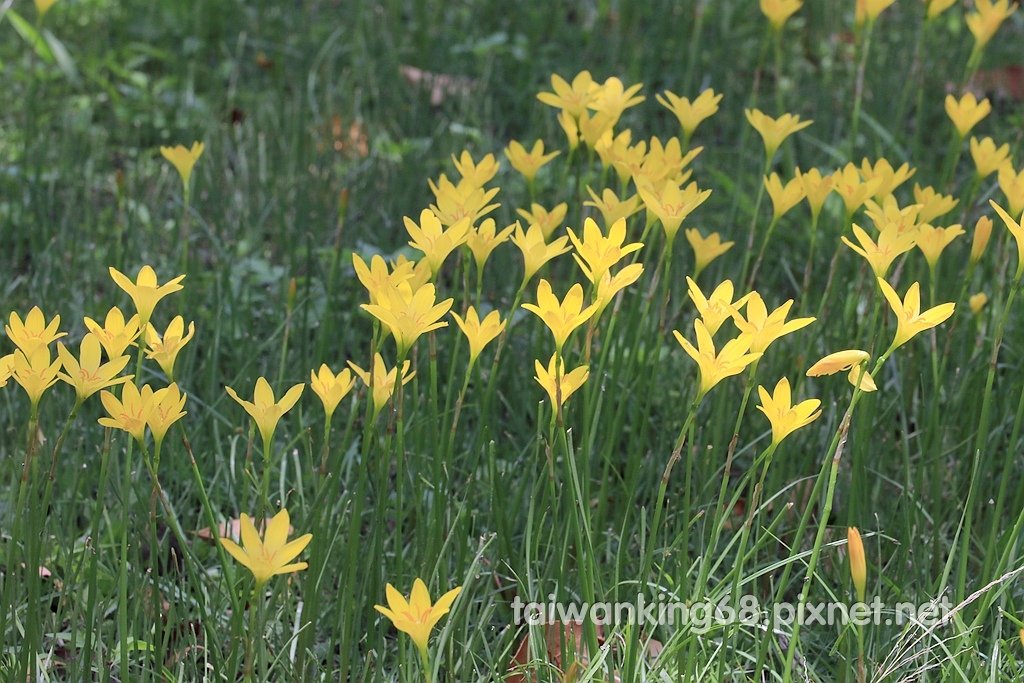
(115, 334)
(164, 349)
(596, 253)
(479, 333)
(910, 321)
(774, 131)
(331, 388)
(716, 365)
(561, 317)
(785, 417)
(705, 249)
(691, 114)
(183, 159)
(270, 555)
(86, 373)
(34, 332)
(264, 410)
(417, 616)
(145, 292)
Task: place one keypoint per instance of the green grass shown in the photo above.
(513, 504)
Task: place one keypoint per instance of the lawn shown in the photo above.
(404, 341)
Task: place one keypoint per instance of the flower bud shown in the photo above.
(982, 233)
(858, 565)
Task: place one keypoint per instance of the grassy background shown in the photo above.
(273, 89)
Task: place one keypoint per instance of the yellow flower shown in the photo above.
(271, 555)
(779, 11)
(43, 6)
(672, 203)
(183, 159)
(612, 98)
(331, 388)
(715, 365)
(572, 129)
(1012, 185)
(536, 251)
(167, 408)
(86, 373)
(131, 413)
(264, 410)
(816, 188)
(910, 321)
(987, 18)
(609, 285)
(528, 163)
(611, 207)
(484, 240)
(115, 335)
(890, 246)
(762, 327)
(933, 204)
(475, 173)
(977, 302)
(858, 564)
(849, 185)
(35, 374)
(561, 317)
(987, 157)
(435, 242)
(381, 381)
(785, 417)
(890, 216)
(479, 333)
(592, 127)
(889, 178)
(982, 233)
(966, 112)
(932, 241)
(573, 99)
(868, 10)
(145, 292)
(615, 152)
(164, 350)
(852, 361)
(1016, 229)
(465, 201)
(409, 314)
(419, 270)
(691, 114)
(34, 333)
(784, 197)
(417, 616)
(6, 369)
(595, 253)
(560, 384)
(665, 162)
(717, 308)
(548, 221)
(937, 7)
(705, 249)
(774, 131)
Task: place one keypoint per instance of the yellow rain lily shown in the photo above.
(145, 292)
(265, 410)
(609, 285)
(548, 221)
(592, 127)
(485, 239)
(716, 365)
(774, 131)
(705, 249)
(987, 157)
(115, 334)
(1012, 185)
(616, 151)
(561, 383)
(889, 178)
(476, 173)
(717, 308)
(164, 349)
(86, 373)
(572, 98)
(270, 555)
(183, 159)
(130, 413)
(784, 197)
(852, 361)
(691, 114)
(381, 381)
(858, 563)
(854, 190)
(910, 321)
(890, 216)
(666, 162)
(330, 387)
(880, 255)
(35, 374)
(479, 333)
(528, 163)
(785, 417)
(433, 240)
(613, 97)
(933, 204)
(966, 112)
(817, 188)
(409, 314)
(762, 327)
(987, 17)
(1016, 229)
(611, 207)
(778, 12)
(463, 202)
(932, 241)
(596, 253)
(672, 203)
(979, 241)
(572, 129)
(561, 317)
(6, 369)
(536, 251)
(34, 332)
(417, 616)
(168, 406)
